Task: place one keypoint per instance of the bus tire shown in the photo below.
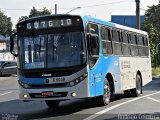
(107, 93)
(52, 103)
(138, 90)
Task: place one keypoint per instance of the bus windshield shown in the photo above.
(52, 50)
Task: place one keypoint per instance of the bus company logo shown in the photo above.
(115, 63)
(46, 75)
(122, 65)
(125, 64)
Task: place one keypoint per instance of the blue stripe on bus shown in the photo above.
(33, 81)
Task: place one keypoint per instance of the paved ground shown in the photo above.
(144, 107)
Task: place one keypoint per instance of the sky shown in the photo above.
(102, 9)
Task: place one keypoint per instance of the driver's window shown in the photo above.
(93, 43)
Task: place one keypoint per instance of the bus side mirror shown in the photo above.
(12, 44)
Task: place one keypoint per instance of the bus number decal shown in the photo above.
(60, 79)
(69, 22)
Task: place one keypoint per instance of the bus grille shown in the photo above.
(46, 86)
(55, 95)
(53, 74)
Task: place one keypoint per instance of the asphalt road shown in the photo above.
(146, 106)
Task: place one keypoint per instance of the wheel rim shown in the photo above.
(106, 96)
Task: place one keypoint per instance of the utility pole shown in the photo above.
(55, 8)
(137, 14)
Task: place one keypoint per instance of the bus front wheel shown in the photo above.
(52, 103)
(138, 90)
(107, 93)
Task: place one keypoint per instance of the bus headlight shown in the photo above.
(25, 95)
(78, 80)
(24, 85)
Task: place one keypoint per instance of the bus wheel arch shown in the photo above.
(109, 77)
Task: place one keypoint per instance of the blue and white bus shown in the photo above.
(63, 57)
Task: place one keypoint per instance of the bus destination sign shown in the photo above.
(52, 23)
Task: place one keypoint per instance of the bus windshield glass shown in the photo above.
(52, 50)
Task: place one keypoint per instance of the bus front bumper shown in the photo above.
(80, 90)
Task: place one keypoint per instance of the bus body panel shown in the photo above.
(129, 68)
(111, 65)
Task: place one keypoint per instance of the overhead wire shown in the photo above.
(65, 8)
(87, 6)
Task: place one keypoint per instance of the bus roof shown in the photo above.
(111, 24)
(48, 16)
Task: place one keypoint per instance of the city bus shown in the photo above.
(63, 57)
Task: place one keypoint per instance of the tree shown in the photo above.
(152, 26)
(34, 12)
(5, 24)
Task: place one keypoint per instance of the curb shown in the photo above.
(156, 77)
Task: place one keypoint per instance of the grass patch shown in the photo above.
(156, 71)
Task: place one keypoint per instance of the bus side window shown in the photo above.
(133, 45)
(116, 40)
(106, 40)
(125, 44)
(146, 46)
(141, 45)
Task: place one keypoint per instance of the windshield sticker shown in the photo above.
(34, 65)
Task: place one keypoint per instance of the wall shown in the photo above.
(126, 20)
(6, 56)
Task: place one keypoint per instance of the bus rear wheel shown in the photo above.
(52, 103)
(107, 93)
(138, 90)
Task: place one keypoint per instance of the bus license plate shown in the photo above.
(47, 93)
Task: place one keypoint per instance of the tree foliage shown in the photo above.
(152, 26)
(34, 12)
(5, 24)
